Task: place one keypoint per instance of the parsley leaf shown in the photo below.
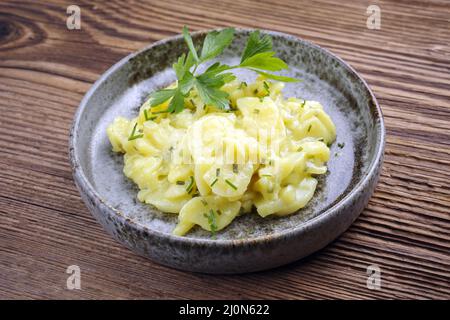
(186, 83)
(208, 89)
(177, 103)
(264, 61)
(160, 96)
(183, 65)
(277, 77)
(258, 56)
(215, 42)
(214, 77)
(256, 44)
(190, 43)
(216, 68)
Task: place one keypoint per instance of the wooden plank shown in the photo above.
(45, 69)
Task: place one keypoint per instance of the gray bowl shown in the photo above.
(250, 243)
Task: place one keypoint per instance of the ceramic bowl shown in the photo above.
(249, 243)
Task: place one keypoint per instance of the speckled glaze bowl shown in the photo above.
(250, 243)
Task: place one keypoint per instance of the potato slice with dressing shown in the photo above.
(212, 213)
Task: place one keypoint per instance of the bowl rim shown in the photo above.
(87, 188)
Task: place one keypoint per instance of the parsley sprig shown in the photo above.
(258, 56)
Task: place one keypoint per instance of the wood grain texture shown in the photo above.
(45, 69)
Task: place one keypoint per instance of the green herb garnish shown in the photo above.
(204, 202)
(147, 117)
(214, 182)
(211, 221)
(303, 104)
(258, 56)
(217, 172)
(309, 128)
(190, 185)
(180, 183)
(133, 136)
(242, 84)
(158, 112)
(230, 184)
(341, 144)
(266, 86)
(235, 168)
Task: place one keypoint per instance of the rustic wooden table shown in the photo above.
(45, 69)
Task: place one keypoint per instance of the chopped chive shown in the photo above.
(214, 182)
(266, 175)
(219, 212)
(256, 111)
(192, 102)
(266, 86)
(134, 137)
(230, 184)
(303, 104)
(180, 183)
(320, 139)
(261, 99)
(255, 91)
(162, 111)
(204, 202)
(235, 168)
(147, 117)
(217, 172)
(243, 84)
(211, 217)
(341, 144)
(191, 185)
(300, 149)
(270, 162)
(309, 128)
